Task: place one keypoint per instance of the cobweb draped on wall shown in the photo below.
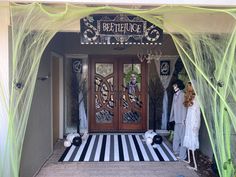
(204, 38)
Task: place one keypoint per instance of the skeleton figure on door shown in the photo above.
(132, 87)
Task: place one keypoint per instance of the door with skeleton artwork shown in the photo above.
(118, 94)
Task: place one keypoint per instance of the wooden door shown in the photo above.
(103, 93)
(115, 104)
(132, 95)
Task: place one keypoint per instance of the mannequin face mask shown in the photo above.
(189, 87)
(133, 79)
(176, 88)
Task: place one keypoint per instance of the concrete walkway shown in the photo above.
(116, 169)
(53, 168)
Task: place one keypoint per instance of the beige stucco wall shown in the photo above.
(197, 22)
(38, 138)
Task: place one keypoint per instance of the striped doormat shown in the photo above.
(117, 147)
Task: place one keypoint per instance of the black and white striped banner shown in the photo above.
(117, 147)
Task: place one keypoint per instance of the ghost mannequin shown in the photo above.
(178, 114)
(191, 141)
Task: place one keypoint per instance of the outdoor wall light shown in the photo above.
(42, 78)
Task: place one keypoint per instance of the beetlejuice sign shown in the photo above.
(119, 29)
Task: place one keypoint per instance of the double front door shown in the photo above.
(117, 94)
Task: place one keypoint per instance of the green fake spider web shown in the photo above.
(207, 48)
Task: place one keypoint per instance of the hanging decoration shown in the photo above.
(119, 29)
(165, 67)
(149, 55)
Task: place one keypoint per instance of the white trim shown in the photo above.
(61, 93)
(51, 104)
(61, 99)
(137, 2)
(80, 56)
(61, 76)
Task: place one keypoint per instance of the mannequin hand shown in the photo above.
(171, 125)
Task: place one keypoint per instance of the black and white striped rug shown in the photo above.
(117, 147)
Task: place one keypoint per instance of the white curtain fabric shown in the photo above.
(82, 115)
(165, 80)
(164, 111)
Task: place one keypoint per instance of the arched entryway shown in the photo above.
(192, 45)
